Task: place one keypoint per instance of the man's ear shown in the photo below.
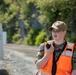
(65, 32)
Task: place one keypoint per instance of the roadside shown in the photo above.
(30, 51)
(18, 63)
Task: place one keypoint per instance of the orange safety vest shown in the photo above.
(64, 64)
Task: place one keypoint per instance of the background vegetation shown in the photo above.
(27, 21)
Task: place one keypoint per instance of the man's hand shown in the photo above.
(50, 50)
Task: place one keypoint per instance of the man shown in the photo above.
(57, 56)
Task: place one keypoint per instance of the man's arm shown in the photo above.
(41, 63)
(74, 62)
(40, 53)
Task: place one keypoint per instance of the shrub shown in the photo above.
(30, 40)
(41, 38)
(16, 38)
(73, 39)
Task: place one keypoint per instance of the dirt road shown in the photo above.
(30, 51)
(22, 59)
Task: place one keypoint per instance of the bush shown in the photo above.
(30, 40)
(9, 37)
(73, 39)
(16, 38)
(41, 38)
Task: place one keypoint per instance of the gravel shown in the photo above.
(18, 63)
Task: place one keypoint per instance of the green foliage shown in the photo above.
(41, 38)
(9, 37)
(30, 40)
(73, 39)
(43, 11)
(10, 32)
(16, 38)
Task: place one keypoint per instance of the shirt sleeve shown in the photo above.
(40, 53)
(74, 60)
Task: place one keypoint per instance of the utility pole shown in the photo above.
(1, 42)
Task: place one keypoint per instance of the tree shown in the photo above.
(19, 16)
(52, 10)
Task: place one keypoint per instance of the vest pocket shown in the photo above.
(64, 63)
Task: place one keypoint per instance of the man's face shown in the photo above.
(58, 34)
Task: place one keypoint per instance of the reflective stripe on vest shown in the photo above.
(67, 53)
(63, 64)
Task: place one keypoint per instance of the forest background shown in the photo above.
(27, 21)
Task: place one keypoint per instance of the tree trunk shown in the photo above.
(34, 20)
(23, 31)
